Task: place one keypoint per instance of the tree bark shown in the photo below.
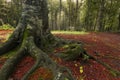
(119, 22)
(33, 36)
(100, 25)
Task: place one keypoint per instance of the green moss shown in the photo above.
(70, 32)
(14, 51)
(85, 57)
(40, 78)
(115, 73)
(72, 51)
(66, 79)
(6, 27)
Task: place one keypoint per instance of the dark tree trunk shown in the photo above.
(100, 25)
(34, 24)
(87, 17)
(69, 14)
(55, 19)
(119, 22)
(76, 14)
(60, 16)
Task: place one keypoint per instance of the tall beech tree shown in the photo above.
(32, 37)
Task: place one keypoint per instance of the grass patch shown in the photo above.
(6, 27)
(69, 32)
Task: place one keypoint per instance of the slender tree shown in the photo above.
(100, 15)
(119, 22)
(60, 15)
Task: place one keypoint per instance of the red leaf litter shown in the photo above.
(22, 68)
(105, 45)
(3, 34)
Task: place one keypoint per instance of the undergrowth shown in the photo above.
(6, 27)
(70, 32)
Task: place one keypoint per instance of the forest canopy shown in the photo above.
(80, 15)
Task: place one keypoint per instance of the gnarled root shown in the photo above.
(74, 50)
(114, 72)
(43, 60)
(10, 64)
(15, 39)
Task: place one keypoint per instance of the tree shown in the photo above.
(10, 11)
(60, 14)
(101, 16)
(54, 11)
(32, 37)
(3, 12)
(111, 17)
(119, 23)
(88, 17)
(15, 8)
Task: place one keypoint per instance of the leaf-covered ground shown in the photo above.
(104, 46)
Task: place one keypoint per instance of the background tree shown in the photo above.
(87, 15)
(10, 11)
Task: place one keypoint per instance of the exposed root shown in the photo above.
(34, 16)
(62, 42)
(114, 72)
(71, 52)
(75, 50)
(35, 53)
(10, 64)
(42, 59)
(15, 39)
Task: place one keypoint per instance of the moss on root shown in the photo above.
(72, 51)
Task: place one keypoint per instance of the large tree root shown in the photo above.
(29, 45)
(15, 39)
(42, 60)
(75, 50)
(113, 71)
(10, 64)
(72, 52)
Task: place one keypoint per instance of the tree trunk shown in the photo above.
(76, 15)
(100, 25)
(119, 22)
(60, 16)
(55, 19)
(1, 22)
(69, 14)
(33, 37)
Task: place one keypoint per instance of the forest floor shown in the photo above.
(104, 46)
